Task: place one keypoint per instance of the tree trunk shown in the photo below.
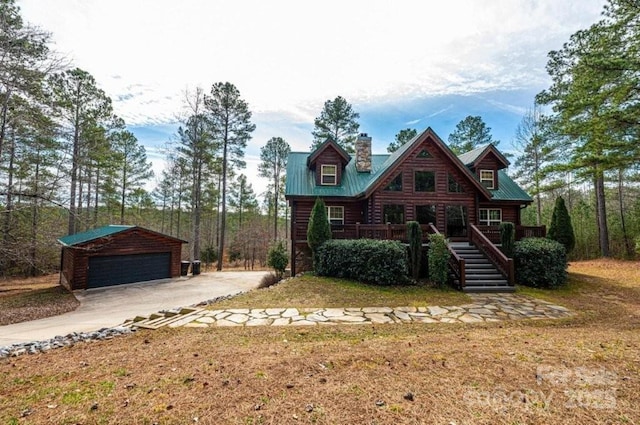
(3, 125)
(75, 158)
(34, 221)
(8, 215)
(195, 254)
(123, 189)
(96, 199)
(627, 242)
(601, 214)
(223, 214)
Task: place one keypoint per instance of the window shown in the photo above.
(486, 178)
(425, 181)
(328, 175)
(393, 214)
(426, 214)
(453, 184)
(456, 220)
(395, 185)
(490, 217)
(335, 215)
(424, 154)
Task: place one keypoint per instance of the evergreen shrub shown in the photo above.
(561, 229)
(438, 259)
(318, 229)
(364, 260)
(278, 259)
(507, 238)
(414, 234)
(540, 263)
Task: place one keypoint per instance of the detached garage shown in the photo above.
(115, 255)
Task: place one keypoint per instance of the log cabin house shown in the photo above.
(464, 197)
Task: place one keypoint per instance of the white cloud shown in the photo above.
(289, 56)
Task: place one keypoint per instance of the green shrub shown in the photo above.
(561, 229)
(209, 255)
(438, 259)
(278, 259)
(507, 238)
(414, 234)
(365, 260)
(319, 229)
(540, 263)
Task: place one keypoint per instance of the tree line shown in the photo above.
(68, 163)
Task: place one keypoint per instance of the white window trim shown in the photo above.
(488, 221)
(484, 179)
(335, 208)
(323, 173)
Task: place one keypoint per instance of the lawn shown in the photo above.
(314, 291)
(33, 298)
(575, 371)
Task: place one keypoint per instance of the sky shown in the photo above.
(400, 64)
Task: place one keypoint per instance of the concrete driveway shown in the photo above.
(109, 307)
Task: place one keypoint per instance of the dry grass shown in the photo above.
(33, 298)
(313, 291)
(573, 371)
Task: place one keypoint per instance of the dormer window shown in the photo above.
(328, 175)
(486, 178)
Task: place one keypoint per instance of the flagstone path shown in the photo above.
(484, 308)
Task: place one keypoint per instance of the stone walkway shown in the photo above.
(484, 308)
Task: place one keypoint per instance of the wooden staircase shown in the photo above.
(481, 275)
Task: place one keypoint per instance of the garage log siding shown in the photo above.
(137, 241)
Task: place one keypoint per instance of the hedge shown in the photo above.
(366, 260)
(540, 263)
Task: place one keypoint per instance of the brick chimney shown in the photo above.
(363, 153)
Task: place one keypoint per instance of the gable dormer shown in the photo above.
(485, 162)
(328, 162)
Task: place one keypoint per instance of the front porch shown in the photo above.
(399, 232)
(484, 238)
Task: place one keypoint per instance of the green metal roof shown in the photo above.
(508, 190)
(100, 232)
(301, 180)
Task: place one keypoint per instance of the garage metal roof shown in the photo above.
(89, 235)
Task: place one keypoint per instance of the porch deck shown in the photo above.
(399, 232)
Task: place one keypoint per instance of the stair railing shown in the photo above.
(503, 263)
(456, 262)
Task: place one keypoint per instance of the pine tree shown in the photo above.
(230, 119)
(337, 122)
(274, 157)
(130, 166)
(561, 229)
(83, 108)
(402, 137)
(469, 134)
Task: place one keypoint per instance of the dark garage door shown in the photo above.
(120, 269)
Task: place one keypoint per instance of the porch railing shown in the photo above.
(493, 232)
(399, 232)
(503, 263)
